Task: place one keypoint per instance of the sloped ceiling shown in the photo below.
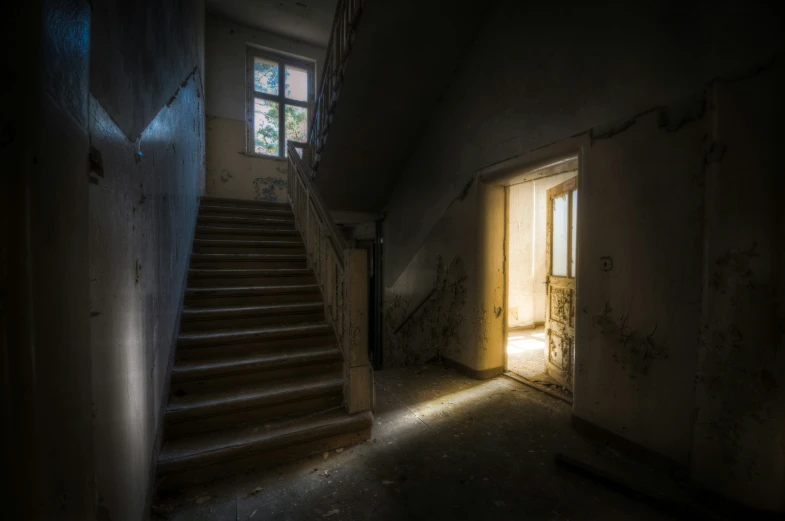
(308, 21)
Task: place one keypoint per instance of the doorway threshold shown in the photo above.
(538, 387)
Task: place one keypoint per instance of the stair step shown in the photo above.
(255, 222)
(249, 277)
(275, 364)
(240, 232)
(235, 296)
(241, 203)
(220, 453)
(215, 209)
(248, 260)
(248, 246)
(224, 343)
(190, 413)
(237, 317)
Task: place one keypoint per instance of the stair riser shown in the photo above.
(250, 321)
(251, 300)
(225, 281)
(252, 224)
(175, 429)
(229, 381)
(246, 264)
(242, 203)
(294, 249)
(254, 235)
(245, 348)
(252, 213)
(178, 474)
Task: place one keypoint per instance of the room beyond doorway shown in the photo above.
(542, 252)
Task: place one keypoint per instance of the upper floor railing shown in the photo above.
(347, 14)
(342, 275)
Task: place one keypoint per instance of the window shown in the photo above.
(280, 92)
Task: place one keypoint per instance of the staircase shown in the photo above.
(259, 373)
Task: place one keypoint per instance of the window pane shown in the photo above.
(296, 123)
(265, 76)
(560, 235)
(265, 126)
(296, 83)
(573, 230)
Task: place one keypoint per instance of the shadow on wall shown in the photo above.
(429, 329)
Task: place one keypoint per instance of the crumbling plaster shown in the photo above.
(232, 172)
(641, 119)
(145, 177)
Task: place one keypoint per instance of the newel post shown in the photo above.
(358, 383)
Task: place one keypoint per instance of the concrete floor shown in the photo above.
(444, 447)
(526, 352)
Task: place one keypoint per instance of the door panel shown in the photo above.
(561, 255)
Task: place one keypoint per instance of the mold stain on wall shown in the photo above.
(268, 189)
(430, 329)
(632, 349)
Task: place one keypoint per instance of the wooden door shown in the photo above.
(561, 255)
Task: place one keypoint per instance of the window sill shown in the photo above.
(263, 156)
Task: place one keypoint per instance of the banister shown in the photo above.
(347, 14)
(342, 276)
(303, 171)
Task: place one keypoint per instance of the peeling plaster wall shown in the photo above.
(143, 200)
(740, 426)
(232, 173)
(635, 92)
(528, 204)
(565, 67)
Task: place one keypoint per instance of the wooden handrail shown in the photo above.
(303, 171)
(342, 275)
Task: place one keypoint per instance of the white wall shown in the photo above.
(231, 173)
(528, 262)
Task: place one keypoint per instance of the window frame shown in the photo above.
(252, 95)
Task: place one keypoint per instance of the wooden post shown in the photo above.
(358, 383)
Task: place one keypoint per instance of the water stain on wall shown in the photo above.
(267, 188)
(428, 330)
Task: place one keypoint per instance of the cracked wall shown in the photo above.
(660, 360)
(230, 172)
(144, 193)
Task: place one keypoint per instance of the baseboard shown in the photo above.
(636, 451)
(529, 327)
(723, 507)
(159, 428)
(477, 374)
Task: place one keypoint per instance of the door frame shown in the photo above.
(560, 157)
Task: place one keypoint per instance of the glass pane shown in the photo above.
(265, 76)
(296, 83)
(574, 231)
(296, 123)
(265, 126)
(560, 235)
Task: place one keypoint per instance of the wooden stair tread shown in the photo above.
(246, 272)
(249, 256)
(244, 210)
(253, 243)
(226, 336)
(206, 313)
(208, 200)
(217, 401)
(217, 230)
(217, 446)
(271, 289)
(240, 219)
(272, 359)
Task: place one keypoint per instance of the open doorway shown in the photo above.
(541, 260)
